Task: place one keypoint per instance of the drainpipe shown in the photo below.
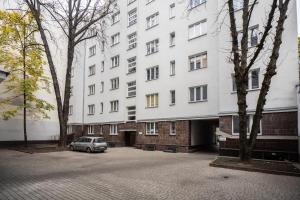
(83, 90)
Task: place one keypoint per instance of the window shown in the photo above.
(132, 40)
(152, 20)
(115, 39)
(102, 87)
(69, 129)
(114, 83)
(253, 80)
(92, 89)
(195, 3)
(113, 129)
(198, 61)
(92, 70)
(197, 29)
(149, 1)
(71, 91)
(152, 47)
(101, 107)
(172, 68)
(236, 121)
(92, 51)
(172, 11)
(115, 17)
(131, 1)
(114, 106)
(102, 46)
(173, 128)
(93, 31)
(198, 93)
(131, 65)
(131, 89)
(172, 39)
(132, 17)
(152, 100)
(91, 109)
(238, 4)
(152, 73)
(90, 129)
(151, 128)
(234, 88)
(172, 97)
(115, 61)
(131, 113)
(102, 66)
(254, 33)
(70, 109)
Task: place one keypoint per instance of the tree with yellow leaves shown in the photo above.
(22, 56)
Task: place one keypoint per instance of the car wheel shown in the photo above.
(71, 148)
(88, 150)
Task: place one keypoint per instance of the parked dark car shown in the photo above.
(89, 144)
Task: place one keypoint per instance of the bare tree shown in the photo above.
(75, 18)
(243, 60)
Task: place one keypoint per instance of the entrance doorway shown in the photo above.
(129, 137)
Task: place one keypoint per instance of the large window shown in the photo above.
(90, 129)
(92, 89)
(173, 128)
(92, 70)
(131, 113)
(151, 128)
(198, 29)
(113, 129)
(132, 17)
(92, 51)
(195, 3)
(253, 80)
(131, 65)
(152, 47)
(132, 40)
(152, 20)
(198, 61)
(152, 100)
(198, 93)
(91, 109)
(114, 83)
(152, 73)
(115, 17)
(131, 89)
(115, 61)
(115, 39)
(236, 121)
(114, 106)
(172, 97)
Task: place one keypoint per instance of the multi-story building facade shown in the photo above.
(163, 76)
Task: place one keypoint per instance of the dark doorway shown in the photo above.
(129, 137)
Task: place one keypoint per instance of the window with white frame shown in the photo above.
(92, 51)
(172, 68)
(91, 109)
(172, 128)
(253, 80)
(152, 100)
(198, 29)
(90, 129)
(114, 83)
(102, 87)
(114, 106)
(238, 4)
(131, 112)
(254, 35)
(131, 89)
(149, 1)
(152, 73)
(132, 17)
(131, 65)
(115, 39)
(93, 31)
(92, 70)
(115, 61)
(131, 1)
(151, 128)
(152, 46)
(132, 40)
(152, 20)
(172, 39)
(102, 66)
(115, 17)
(101, 108)
(113, 129)
(91, 89)
(172, 97)
(198, 61)
(69, 129)
(172, 11)
(195, 3)
(236, 127)
(70, 109)
(198, 93)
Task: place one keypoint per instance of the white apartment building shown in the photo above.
(163, 78)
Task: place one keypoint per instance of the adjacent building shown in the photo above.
(162, 78)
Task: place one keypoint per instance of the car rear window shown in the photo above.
(99, 140)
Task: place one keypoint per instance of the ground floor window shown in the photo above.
(90, 129)
(236, 121)
(69, 129)
(152, 128)
(113, 129)
(173, 128)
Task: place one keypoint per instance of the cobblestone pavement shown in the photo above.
(125, 173)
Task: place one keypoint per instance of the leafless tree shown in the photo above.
(243, 61)
(75, 18)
